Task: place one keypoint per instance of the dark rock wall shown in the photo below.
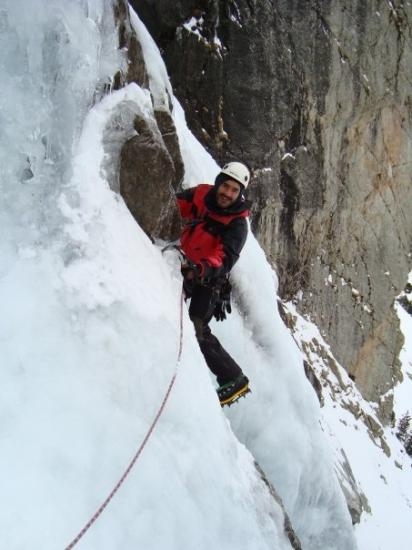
(316, 97)
(143, 159)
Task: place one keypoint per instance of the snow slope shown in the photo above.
(380, 467)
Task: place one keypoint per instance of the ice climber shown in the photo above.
(214, 233)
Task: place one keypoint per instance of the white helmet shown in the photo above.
(238, 172)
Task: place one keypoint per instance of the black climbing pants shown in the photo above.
(203, 301)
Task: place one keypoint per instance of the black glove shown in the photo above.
(223, 304)
(200, 271)
(188, 271)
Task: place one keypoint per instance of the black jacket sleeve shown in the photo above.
(233, 241)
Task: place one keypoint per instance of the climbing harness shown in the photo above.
(146, 438)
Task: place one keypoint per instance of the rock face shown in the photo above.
(290, 533)
(147, 159)
(146, 176)
(316, 96)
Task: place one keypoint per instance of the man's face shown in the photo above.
(227, 193)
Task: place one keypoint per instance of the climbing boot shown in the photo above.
(231, 391)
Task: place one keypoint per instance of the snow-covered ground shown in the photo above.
(90, 333)
(385, 481)
(403, 392)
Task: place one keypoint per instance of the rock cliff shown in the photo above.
(316, 97)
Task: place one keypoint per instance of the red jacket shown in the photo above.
(212, 237)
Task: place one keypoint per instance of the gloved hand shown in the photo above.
(189, 272)
(193, 274)
(204, 270)
(223, 304)
(196, 272)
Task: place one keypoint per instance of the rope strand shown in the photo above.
(146, 438)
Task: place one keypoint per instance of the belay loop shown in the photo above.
(146, 438)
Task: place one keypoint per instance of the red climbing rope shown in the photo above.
(142, 445)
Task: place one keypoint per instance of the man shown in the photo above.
(213, 236)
